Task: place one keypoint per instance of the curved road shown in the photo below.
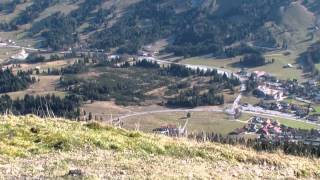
(275, 114)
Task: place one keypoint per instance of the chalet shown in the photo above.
(260, 73)
(244, 73)
(3, 44)
(169, 130)
(20, 56)
(114, 57)
(149, 59)
(268, 93)
(288, 66)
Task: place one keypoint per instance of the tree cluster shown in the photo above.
(253, 60)
(10, 82)
(193, 98)
(49, 105)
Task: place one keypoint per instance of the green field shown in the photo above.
(199, 121)
(298, 124)
(275, 68)
(295, 124)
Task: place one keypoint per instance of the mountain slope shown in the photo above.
(50, 148)
(194, 27)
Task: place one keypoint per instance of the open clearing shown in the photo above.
(44, 66)
(199, 121)
(46, 85)
(275, 68)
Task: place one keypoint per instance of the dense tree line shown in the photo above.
(10, 82)
(35, 59)
(239, 50)
(193, 98)
(252, 83)
(78, 67)
(253, 60)
(49, 105)
(147, 64)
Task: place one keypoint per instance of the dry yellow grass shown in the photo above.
(55, 146)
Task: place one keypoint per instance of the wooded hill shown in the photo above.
(191, 27)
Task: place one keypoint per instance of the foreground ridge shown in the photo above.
(58, 148)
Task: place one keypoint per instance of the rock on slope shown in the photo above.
(32, 147)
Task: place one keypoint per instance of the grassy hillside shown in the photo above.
(50, 148)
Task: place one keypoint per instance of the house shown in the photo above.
(23, 55)
(113, 57)
(169, 130)
(312, 82)
(260, 73)
(244, 73)
(269, 93)
(3, 44)
(149, 59)
(288, 66)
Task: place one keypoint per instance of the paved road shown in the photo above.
(273, 114)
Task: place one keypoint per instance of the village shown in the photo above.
(271, 130)
(289, 97)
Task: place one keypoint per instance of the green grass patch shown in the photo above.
(29, 135)
(297, 124)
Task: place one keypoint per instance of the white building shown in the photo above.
(23, 55)
(270, 93)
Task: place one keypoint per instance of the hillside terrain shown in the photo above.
(225, 89)
(56, 148)
(191, 27)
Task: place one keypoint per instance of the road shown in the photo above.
(273, 114)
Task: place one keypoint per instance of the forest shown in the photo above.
(44, 106)
(10, 82)
(144, 76)
(194, 31)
